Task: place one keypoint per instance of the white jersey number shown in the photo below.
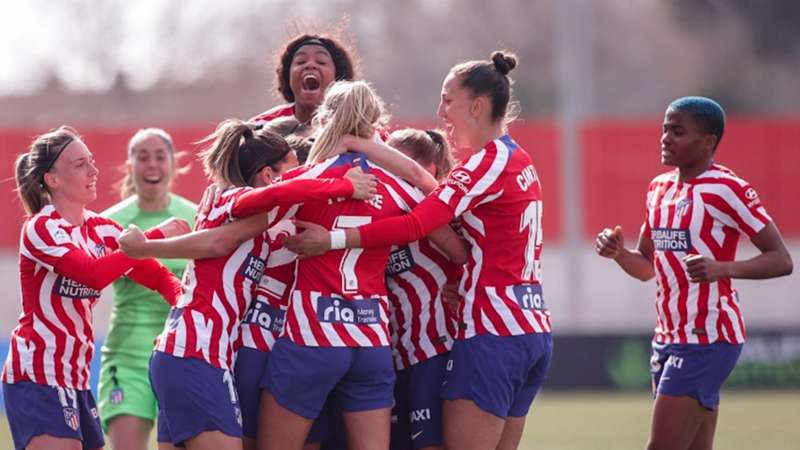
(532, 220)
(348, 265)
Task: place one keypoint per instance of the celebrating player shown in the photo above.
(307, 66)
(336, 337)
(503, 347)
(127, 404)
(191, 368)
(67, 255)
(422, 333)
(695, 216)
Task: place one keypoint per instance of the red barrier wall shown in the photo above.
(619, 159)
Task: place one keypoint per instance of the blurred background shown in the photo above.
(593, 80)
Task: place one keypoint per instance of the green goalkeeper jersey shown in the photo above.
(138, 314)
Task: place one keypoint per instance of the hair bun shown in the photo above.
(504, 63)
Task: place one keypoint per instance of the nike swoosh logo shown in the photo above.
(665, 378)
(415, 435)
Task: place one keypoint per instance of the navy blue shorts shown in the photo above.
(247, 373)
(300, 378)
(693, 370)
(36, 409)
(417, 413)
(251, 364)
(501, 374)
(193, 397)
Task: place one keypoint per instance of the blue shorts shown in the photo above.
(693, 370)
(251, 364)
(247, 373)
(193, 397)
(417, 413)
(36, 409)
(501, 374)
(300, 378)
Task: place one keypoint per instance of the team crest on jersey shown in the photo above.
(71, 418)
(400, 261)
(683, 206)
(357, 312)
(671, 239)
(265, 316)
(529, 296)
(252, 268)
(66, 287)
(100, 249)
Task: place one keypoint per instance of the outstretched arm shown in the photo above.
(356, 184)
(430, 215)
(97, 273)
(207, 243)
(394, 161)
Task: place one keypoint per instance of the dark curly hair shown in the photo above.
(343, 56)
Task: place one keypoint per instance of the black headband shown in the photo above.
(312, 41)
(58, 153)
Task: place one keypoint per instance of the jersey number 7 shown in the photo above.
(347, 268)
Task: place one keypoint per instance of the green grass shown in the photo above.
(620, 421)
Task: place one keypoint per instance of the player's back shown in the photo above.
(339, 298)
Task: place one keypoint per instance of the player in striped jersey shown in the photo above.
(695, 216)
(67, 255)
(336, 337)
(308, 64)
(422, 332)
(191, 366)
(503, 347)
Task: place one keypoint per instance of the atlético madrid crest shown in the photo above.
(71, 418)
(116, 396)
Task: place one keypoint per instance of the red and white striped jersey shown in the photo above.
(263, 323)
(54, 343)
(216, 293)
(497, 196)
(420, 326)
(339, 298)
(286, 110)
(205, 322)
(704, 215)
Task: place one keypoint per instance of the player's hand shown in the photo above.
(314, 240)
(173, 227)
(132, 241)
(450, 297)
(365, 185)
(210, 198)
(609, 243)
(702, 269)
(345, 144)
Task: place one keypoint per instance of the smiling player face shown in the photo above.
(74, 174)
(152, 167)
(454, 110)
(311, 72)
